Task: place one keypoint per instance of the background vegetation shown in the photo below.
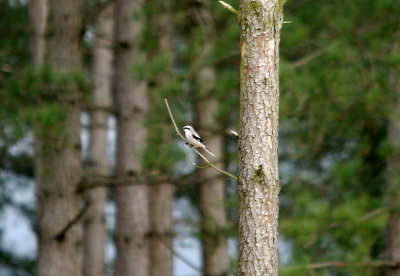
(339, 80)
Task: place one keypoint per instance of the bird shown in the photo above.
(193, 139)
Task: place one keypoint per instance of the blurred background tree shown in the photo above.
(338, 119)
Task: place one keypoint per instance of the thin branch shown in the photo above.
(229, 7)
(201, 155)
(374, 213)
(92, 107)
(378, 263)
(94, 181)
(61, 235)
(233, 133)
(183, 258)
(310, 57)
(179, 256)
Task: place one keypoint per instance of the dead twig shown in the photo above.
(229, 7)
(179, 256)
(310, 57)
(379, 263)
(201, 155)
(61, 235)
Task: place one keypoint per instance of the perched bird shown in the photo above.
(193, 139)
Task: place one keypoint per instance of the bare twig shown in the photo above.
(91, 107)
(61, 235)
(233, 133)
(374, 213)
(201, 155)
(183, 258)
(179, 256)
(310, 57)
(229, 7)
(378, 263)
(89, 182)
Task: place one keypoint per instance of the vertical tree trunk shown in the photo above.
(393, 183)
(212, 190)
(162, 196)
(162, 227)
(59, 151)
(38, 15)
(260, 22)
(97, 163)
(132, 227)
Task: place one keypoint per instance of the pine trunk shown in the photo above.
(58, 151)
(132, 229)
(212, 189)
(97, 163)
(162, 195)
(162, 228)
(38, 15)
(260, 22)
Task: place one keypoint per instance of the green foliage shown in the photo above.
(338, 70)
(336, 96)
(46, 85)
(46, 94)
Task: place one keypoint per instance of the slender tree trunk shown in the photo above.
(260, 22)
(162, 227)
(162, 196)
(133, 224)
(393, 183)
(59, 151)
(97, 163)
(38, 15)
(212, 190)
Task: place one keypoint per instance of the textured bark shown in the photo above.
(58, 152)
(212, 192)
(162, 228)
(38, 15)
(393, 184)
(97, 163)
(132, 227)
(260, 23)
(162, 196)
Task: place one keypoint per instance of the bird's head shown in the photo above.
(189, 128)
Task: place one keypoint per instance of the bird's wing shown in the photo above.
(195, 133)
(197, 137)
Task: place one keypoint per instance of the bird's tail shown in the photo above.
(209, 152)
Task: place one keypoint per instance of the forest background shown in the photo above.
(339, 119)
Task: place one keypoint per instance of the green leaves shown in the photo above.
(46, 85)
(335, 104)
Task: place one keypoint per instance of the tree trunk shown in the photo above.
(212, 190)
(58, 152)
(260, 22)
(38, 15)
(162, 227)
(162, 196)
(97, 163)
(131, 235)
